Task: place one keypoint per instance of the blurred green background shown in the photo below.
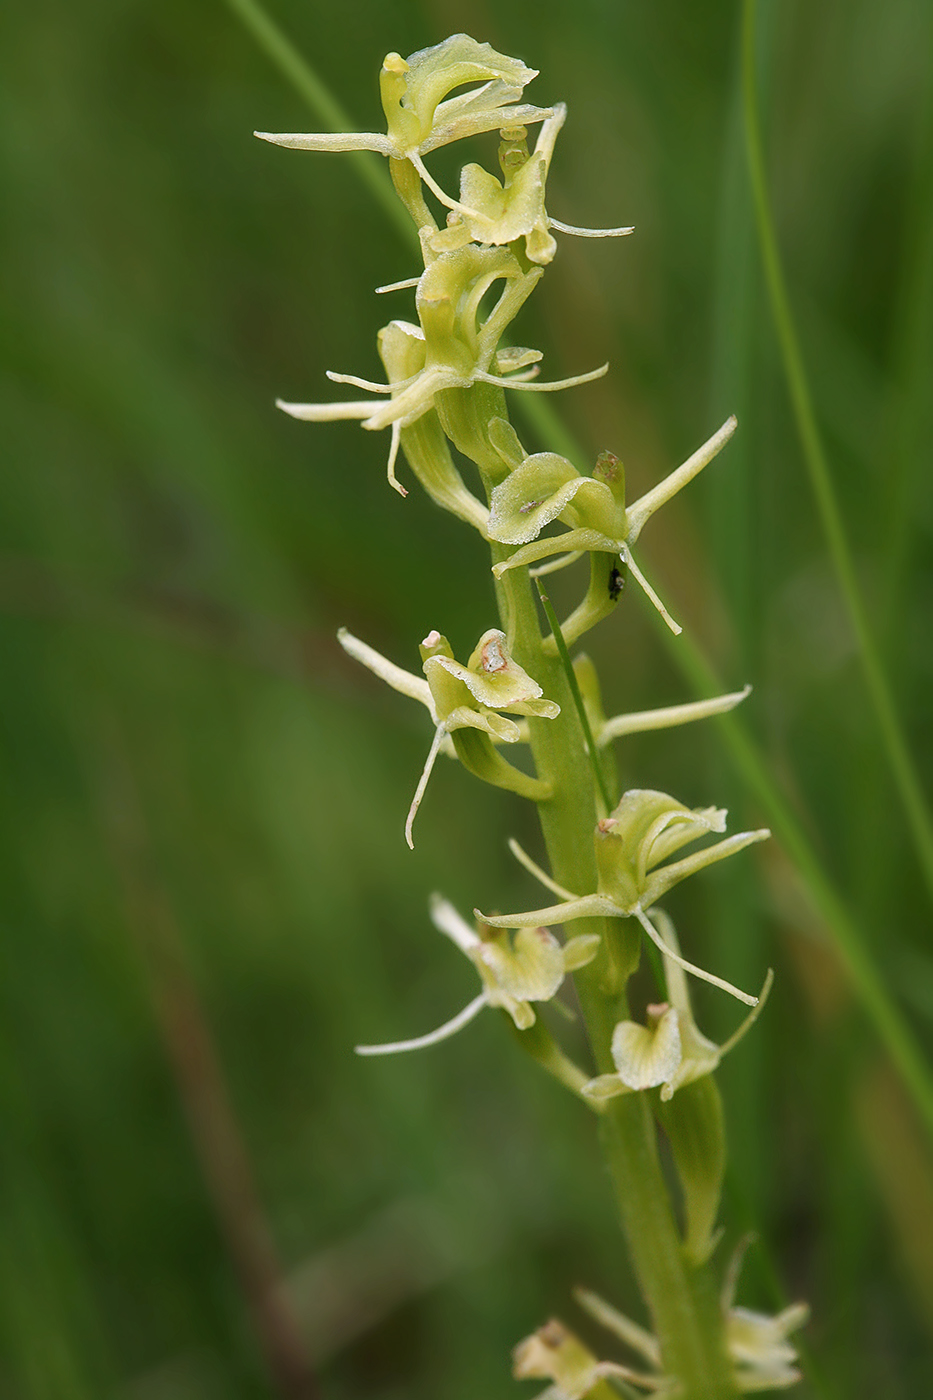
(206, 896)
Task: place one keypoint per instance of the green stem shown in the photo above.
(567, 664)
(902, 768)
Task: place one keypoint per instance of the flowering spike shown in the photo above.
(479, 270)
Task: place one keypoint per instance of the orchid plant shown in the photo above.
(612, 857)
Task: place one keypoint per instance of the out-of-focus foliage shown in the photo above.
(190, 763)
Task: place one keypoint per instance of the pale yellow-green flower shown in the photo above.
(514, 970)
(632, 844)
(546, 487)
(478, 695)
(554, 1353)
(669, 1050)
(762, 1358)
(419, 119)
(497, 212)
(453, 346)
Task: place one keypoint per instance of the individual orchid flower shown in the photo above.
(554, 1353)
(757, 1345)
(465, 697)
(419, 120)
(471, 697)
(642, 831)
(669, 1050)
(515, 971)
(545, 487)
(450, 348)
(763, 1357)
(498, 213)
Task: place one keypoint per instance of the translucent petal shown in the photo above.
(645, 1057)
(529, 967)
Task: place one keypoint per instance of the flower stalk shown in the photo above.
(611, 857)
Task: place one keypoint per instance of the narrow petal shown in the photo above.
(550, 386)
(449, 1028)
(580, 951)
(436, 190)
(326, 412)
(370, 384)
(669, 716)
(647, 504)
(415, 687)
(710, 977)
(329, 141)
(534, 869)
(474, 124)
(402, 286)
(752, 1016)
(556, 564)
(393, 457)
(521, 1012)
(422, 784)
(590, 906)
(629, 1332)
(588, 232)
(625, 1373)
(581, 540)
(643, 583)
(449, 921)
(667, 876)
